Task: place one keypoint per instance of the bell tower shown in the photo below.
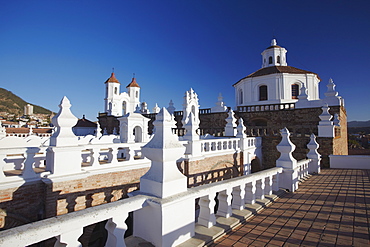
(112, 92)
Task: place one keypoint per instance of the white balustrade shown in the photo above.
(68, 228)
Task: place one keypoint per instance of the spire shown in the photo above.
(133, 83)
(112, 78)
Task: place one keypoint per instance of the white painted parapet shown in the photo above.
(350, 161)
(313, 155)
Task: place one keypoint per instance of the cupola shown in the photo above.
(274, 55)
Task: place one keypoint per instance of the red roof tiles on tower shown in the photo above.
(133, 83)
(112, 78)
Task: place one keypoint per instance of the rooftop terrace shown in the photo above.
(329, 209)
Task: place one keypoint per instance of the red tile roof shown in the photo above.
(112, 78)
(133, 83)
(277, 70)
(27, 130)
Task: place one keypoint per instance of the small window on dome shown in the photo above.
(278, 59)
(270, 60)
(263, 93)
(295, 89)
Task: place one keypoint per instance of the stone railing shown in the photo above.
(272, 107)
(231, 194)
(69, 227)
(29, 163)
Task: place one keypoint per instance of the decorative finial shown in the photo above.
(112, 70)
(133, 75)
(273, 42)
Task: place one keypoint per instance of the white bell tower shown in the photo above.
(112, 92)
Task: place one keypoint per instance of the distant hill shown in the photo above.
(357, 124)
(11, 103)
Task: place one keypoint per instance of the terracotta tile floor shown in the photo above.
(329, 209)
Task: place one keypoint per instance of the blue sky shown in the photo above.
(49, 49)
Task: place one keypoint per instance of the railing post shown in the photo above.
(289, 178)
(164, 223)
(207, 216)
(314, 164)
(69, 239)
(250, 192)
(224, 206)
(64, 155)
(116, 228)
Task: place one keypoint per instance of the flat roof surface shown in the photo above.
(329, 209)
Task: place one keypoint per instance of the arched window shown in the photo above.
(115, 90)
(270, 60)
(295, 89)
(263, 93)
(240, 96)
(137, 94)
(278, 59)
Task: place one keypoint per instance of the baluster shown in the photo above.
(224, 206)
(250, 192)
(2, 164)
(260, 189)
(130, 154)
(69, 238)
(207, 216)
(94, 157)
(275, 182)
(268, 187)
(28, 171)
(116, 228)
(112, 155)
(238, 198)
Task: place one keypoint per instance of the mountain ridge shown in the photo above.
(11, 103)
